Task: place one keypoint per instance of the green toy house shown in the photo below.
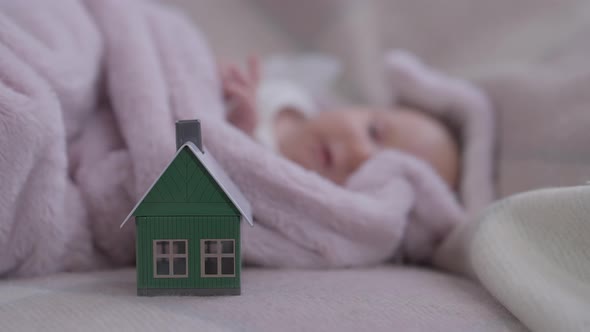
(188, 225)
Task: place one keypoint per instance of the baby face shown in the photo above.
(334, 144)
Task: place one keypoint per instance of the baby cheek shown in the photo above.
(338, 178)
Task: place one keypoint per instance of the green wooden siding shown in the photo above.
(193, 229)
(186, 188)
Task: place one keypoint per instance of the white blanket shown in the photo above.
(532, 252)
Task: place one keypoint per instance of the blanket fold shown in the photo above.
(531, 251)
(89, 93)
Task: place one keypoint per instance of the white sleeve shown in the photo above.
(274, 95)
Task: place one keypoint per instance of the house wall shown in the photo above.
(193, 229)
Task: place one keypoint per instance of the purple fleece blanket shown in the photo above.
(89, 93)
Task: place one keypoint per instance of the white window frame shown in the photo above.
(219, 255)
(170, 256)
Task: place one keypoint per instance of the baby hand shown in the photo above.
(239, 91)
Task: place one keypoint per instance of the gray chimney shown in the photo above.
(188, 131)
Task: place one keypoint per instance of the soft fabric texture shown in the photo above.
(464, 106)
(551, 102)
(379, 300)
(531, 241)
(532, 252)
(90, 93)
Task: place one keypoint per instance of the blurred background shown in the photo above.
(531, 57)
(462, 37)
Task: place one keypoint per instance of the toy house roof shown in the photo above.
(219, 176)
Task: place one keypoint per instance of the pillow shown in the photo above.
(543, 117)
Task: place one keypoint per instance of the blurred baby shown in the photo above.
(334, 143)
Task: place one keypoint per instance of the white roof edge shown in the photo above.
(223, 180)
(242, 205)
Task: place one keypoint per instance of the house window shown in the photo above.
(170, 258)
(218, 258)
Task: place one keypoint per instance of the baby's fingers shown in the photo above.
(254, 69)
(237, 76)
(238, 92)
(223, 71)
